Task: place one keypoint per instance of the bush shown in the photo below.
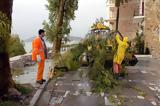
(102, 77)
(71, 57)
(23, 89)
(102, 51)
(9, 103)
(140, 45)
(15, 46)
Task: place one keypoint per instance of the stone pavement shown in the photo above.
(29, 74)
(73, 89)
(140, 88)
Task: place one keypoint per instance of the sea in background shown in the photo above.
(28, 42)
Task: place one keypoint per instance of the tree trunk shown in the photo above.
(57, 45)
(58, 39)
(117, 19)
(117, 23)
(5, 71)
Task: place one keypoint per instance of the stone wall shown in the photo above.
(126, 25)
(152, 26)
(21, 61)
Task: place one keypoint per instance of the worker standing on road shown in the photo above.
(120, 54)
(39, 54)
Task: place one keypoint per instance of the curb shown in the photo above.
(139, 56)
(38, 94)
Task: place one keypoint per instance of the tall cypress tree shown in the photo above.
(61, 12)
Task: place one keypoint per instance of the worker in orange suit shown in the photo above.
(39, 54)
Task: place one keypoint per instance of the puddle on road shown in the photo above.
(28, 74)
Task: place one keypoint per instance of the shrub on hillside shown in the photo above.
(15, 46)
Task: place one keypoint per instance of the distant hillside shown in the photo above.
(72, 38)
(29, 39)
(75, 38)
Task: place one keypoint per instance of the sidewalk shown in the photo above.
(73, 89)
(142, 87)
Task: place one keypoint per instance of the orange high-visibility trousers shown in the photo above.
(40, 70)
(38, 49)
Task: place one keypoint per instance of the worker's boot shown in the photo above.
(116, 76)
(120, 76)
(43, 80)
(39, 82)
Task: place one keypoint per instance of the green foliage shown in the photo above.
(71, 58)
(100, 21)
(69, 14)
(102, 77)
(5, 26)
(101, 71)
(15, 46)
(9, 103)
(139, 44)
(12, 44)
(23, 90)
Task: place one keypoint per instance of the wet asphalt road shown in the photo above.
(73, 89)
(140, 88)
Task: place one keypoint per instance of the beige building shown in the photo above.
(138, 13)
(152, 26)
(130, 16)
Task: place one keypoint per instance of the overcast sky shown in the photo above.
(28, 16)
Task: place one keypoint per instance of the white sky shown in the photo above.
(28, 16)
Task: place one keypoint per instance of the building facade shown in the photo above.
(152, 26)
(129, 16)
(133, 15)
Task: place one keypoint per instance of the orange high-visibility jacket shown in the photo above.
(37, 49)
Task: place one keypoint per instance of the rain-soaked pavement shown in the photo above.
(142, 86)
(73, 89)
(28, 74)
